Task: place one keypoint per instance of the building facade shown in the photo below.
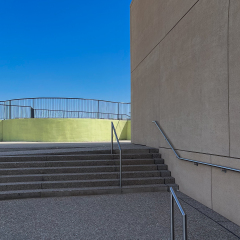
(185, 74)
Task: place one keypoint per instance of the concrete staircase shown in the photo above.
(83, 173)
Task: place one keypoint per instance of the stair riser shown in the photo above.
(78, 157)
(142, 181)
(75, 163)
(162, 167)
(124, 151)
(76, 170)
(43, 185)
(165, 173)
(41, 194)
(45, 177)
(84, 184)
(169, 180)
(67, 192)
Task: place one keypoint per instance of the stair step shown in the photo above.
(60, 192)
(46, 170)
(69, 163)
(78, 183)
(77, 157)
(77, 176)
(64, 152)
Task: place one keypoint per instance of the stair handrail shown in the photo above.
(184, 216)
(120, 150)
(191, 160)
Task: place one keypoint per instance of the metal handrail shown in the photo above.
(120, 150)
(174, 197)
(194, 161)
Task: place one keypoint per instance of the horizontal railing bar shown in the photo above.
(37, 109)
(13, 105)
(191, 160)
(17, 99)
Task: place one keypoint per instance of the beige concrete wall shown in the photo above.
(214, 188)
(151, 20)
(185, 68)
(234, 77)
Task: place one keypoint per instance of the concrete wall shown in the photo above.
(62, 130)
(185, 68)
(1, 130)
(129, 130)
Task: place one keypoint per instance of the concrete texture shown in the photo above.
(1, 130)
(145, 95)
(192, 179)
(125, 216)
(186, 77)
(150, 22)
(185, 80)
(234, 73)
(193, 80)
(63, 130)
(210, 186)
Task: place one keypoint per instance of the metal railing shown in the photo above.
(120, 150)
(45, 113)
(194, 161)
(184, 216)
(71, 107)
(15, 111)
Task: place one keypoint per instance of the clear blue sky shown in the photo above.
(65, 48)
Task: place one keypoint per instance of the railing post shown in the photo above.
(185, 227)
(98, 109)
(10, 108)
(118, 111)
(172, 218)
(111, 137)
(120, 168)
(32, 112)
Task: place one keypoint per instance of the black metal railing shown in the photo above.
(14, 111)
(64, 108)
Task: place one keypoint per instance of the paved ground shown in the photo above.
(125, 216)
(25, 148)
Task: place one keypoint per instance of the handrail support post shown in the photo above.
(185, 227)
(113, 130)
(111, 137)
(120, 168)
(172, 218)
(184, 216)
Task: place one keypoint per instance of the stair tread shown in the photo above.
(73, 174)
(80, 160)
(80, 189)
(80, 181)
(57, 167)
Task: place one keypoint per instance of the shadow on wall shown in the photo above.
(122, 129)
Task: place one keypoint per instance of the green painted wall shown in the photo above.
(1, 130)
(62, 130)
(129, 130)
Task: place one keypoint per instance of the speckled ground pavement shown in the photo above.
(120, 216)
